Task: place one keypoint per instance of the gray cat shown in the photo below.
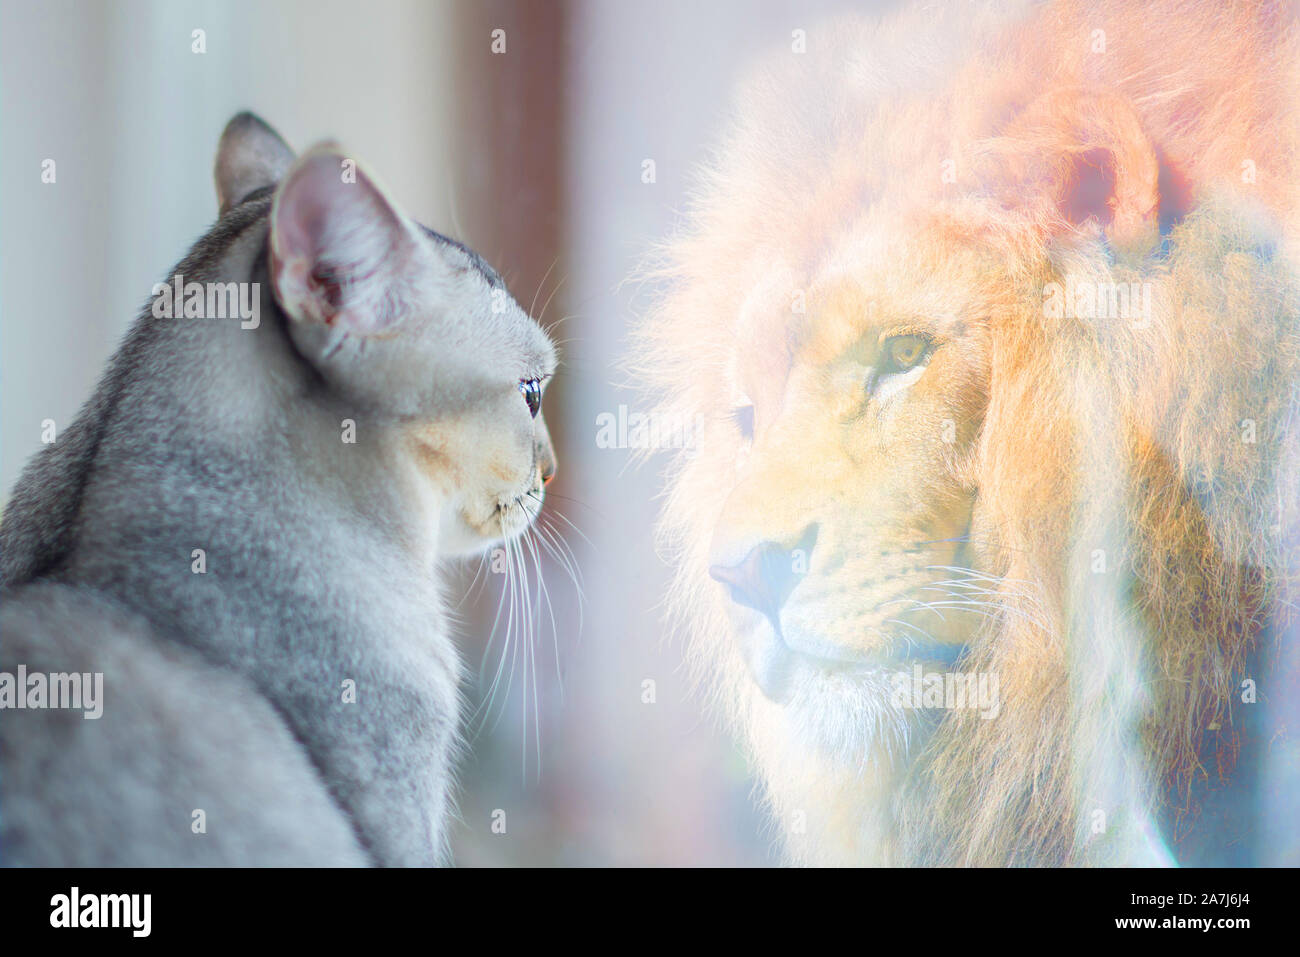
(241, 530)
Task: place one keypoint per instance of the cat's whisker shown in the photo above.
(512, 625)
(554, 543)
(483, 711)
(558, 514)
(510, 596)
(550, 607)
(531, 614)
(561, 550)
(492, 633)
(474, 582)
(541, 283)
(547, 304)
(561, 343)
(560, 321)
(562, 517)
(534, 640)
(525, 645)
(523, 610)
(530, 645)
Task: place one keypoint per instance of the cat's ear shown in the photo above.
(250, 156)
(340, 252)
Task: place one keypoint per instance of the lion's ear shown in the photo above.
(1073, 156)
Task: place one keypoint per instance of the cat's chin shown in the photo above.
(462, 535)
(512, 519)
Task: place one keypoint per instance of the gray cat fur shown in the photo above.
(224, 690)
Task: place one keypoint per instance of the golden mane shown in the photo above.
(1167, 448)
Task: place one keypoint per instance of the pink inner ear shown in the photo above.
(338, 247)
(1072, 156)
(1089, 190)
(324, 280)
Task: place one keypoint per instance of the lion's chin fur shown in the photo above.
(832, 758)
(1154, 547)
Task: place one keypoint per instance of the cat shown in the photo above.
(241, 532)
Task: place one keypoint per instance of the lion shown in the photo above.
(990, 537)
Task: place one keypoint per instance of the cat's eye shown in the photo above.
(901, 353)
(532, 390)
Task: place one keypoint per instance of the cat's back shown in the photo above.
(185, 765)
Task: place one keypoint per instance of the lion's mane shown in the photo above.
(1138, 481)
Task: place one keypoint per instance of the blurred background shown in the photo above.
(533, 155)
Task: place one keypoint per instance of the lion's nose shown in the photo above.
(766, 576)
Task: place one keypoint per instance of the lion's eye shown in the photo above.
(901, 353)
(743, 416)
(532, 390)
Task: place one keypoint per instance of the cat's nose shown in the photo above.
(546, 463)
(766, 576)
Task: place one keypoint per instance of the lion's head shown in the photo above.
(996, 355)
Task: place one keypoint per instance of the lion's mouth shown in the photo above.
(778, 662)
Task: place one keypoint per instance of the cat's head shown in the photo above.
(409, 329)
